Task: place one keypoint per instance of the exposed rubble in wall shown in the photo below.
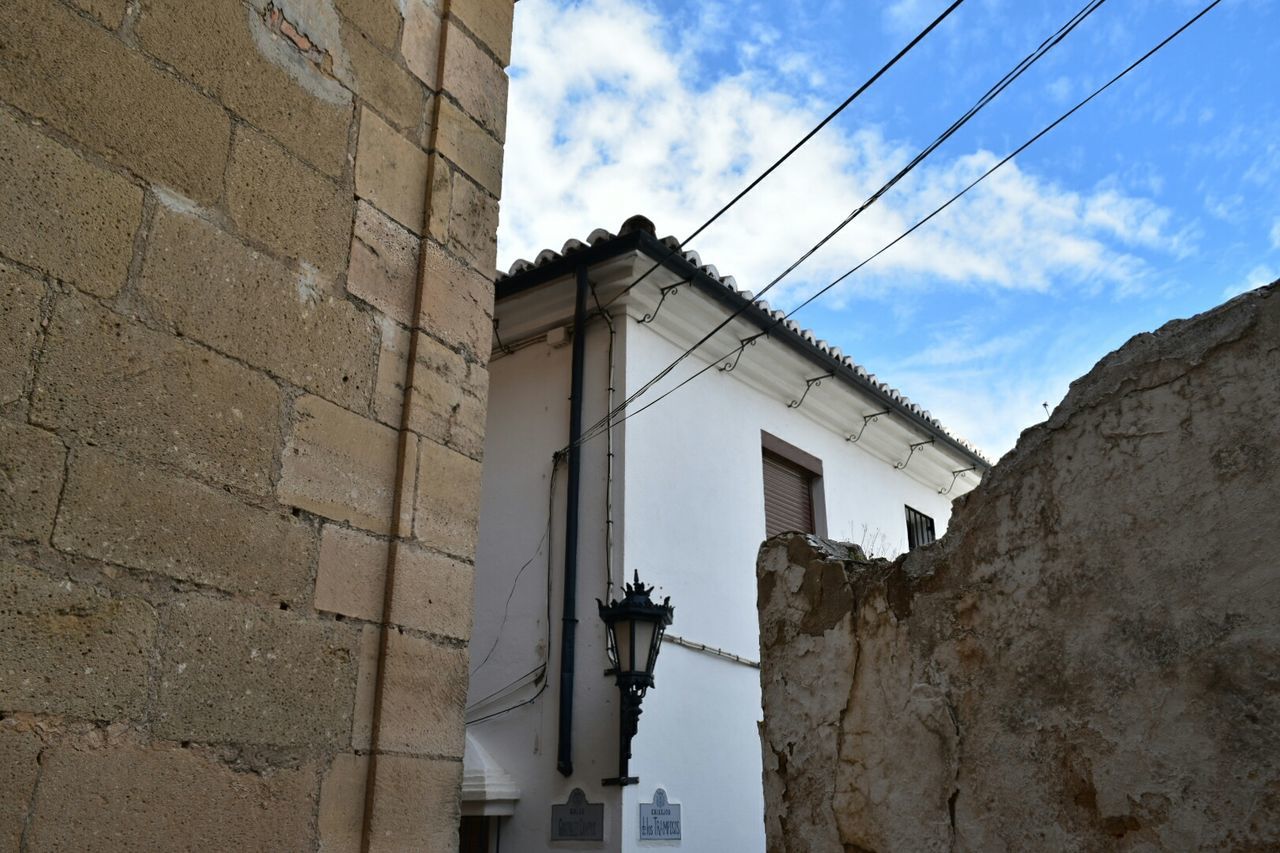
(1090, 658)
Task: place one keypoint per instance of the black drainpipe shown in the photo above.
(569, 621)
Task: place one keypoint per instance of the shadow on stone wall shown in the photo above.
(1088, 660)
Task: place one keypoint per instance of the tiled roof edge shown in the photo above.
(729, 284)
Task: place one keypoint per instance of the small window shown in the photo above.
(919, 529)
(792, 489)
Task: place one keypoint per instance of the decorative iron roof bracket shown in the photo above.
(809, 385)
(663, 291)
(867, 420)
(956, 475)
(728, 367)
(919, 445)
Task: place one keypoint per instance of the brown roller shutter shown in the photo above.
(788, 497)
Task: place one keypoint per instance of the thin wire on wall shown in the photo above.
(608, 477)
(538, 672)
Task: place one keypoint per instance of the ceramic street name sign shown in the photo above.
(577, 820)
(659, 820)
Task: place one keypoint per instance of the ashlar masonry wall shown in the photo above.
(246, 255)
(1089, 660)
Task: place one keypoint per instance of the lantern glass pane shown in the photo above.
(622, 637)
(644, 640)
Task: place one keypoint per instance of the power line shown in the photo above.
(990, 95)
(1023, 147)
(818, 127)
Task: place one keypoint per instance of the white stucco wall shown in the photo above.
(695, 519)
(689, 515)
(527, 422)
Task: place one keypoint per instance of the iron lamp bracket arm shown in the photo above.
(867, 420)
(809, 385)
(919, 445)
(956, 475)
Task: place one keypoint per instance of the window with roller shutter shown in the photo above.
(792, 489)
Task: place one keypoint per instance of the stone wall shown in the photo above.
(246, 255)
(1089, 660)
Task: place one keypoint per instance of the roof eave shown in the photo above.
(672, 259)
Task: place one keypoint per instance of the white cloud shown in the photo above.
(988, 405)
(1060, 89)
(605, 122)
(988, 386)
(1257, 277)
(1275, 235)
(908, 15)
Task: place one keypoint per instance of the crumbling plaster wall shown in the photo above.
(232, 234)
(1089, 659)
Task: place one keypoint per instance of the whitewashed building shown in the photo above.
(781, 432)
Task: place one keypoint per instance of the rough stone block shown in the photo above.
(432, 592)
(134, 798)
(227, 48)
(450, 399)
(19, 767)
(384, 263)
(20, 294)
(297, 212)
(469, 146)
(393, 361)
(116, 383)
(473, 226)
(84, 81)
(439, 200)
(477, 81)
(423, 694)
(217, 290)
(420, 43)
(67, 649)
(400, 822)
(379, 81)
(61, 214)
(491, 21)
(391, 172)
(232, 672)
(362, 720)
(463, 217)
(457, 302)
(31, 465)
(342, 804)
(342, 466)
(142, 517)
(110, 12)
(448, 500)
(378, 19)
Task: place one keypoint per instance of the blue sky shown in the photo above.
(1157, 201)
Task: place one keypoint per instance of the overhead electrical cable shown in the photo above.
(987, 97)
(870, 81)
(1023, 147)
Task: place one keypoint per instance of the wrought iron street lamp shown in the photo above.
(635, 626)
